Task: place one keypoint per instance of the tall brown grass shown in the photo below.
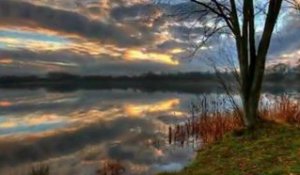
(212, 124)
(283, 110)
(111, 167)
(208, 128)
(40, 170)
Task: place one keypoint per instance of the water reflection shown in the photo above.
(142, 109)
(5, 103)
(75, 132)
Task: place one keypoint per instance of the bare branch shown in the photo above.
(217, 9)
(294, 4)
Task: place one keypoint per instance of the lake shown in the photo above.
(76, 132)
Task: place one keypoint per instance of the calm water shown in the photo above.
(74, 133)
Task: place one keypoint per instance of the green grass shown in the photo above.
(272, 149)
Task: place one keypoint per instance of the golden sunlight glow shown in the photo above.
(94, 48)
(6, 61)
(287, 58)
(46, 118)
(136, 110)
(151, 56)
(31, 121)
(32, 44)
(159, 152)
(163, 37)
(45, 66)
(94, 115)
(8, 124)
(70, 42)
(5, 104)
(79, 47)
(83, 46)
(177, 50)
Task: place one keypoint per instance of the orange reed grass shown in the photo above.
(212, 126)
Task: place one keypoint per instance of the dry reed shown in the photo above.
(212, 122)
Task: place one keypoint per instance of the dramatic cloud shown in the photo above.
(65, 21)
(113, 37)
(287, 40)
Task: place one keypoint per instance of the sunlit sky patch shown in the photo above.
(27, 35)
(113, 37)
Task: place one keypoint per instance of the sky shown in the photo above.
(115, 37)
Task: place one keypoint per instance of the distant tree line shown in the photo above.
(55, 77)
(66, 77)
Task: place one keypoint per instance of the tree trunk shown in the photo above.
(250, 108)
(251, 57)
(252, 62)
(250, 94)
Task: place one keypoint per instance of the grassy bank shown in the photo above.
(271, 149)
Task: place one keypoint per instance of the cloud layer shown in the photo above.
(109, 37)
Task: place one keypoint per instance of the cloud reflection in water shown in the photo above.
(74, 132)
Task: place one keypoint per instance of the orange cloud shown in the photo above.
(73, 43)
(80, 45)
(177, 50)
(149, 56)
(5, 103)
(32, 44)
(6, 61)
(136, 110)
(8, 124)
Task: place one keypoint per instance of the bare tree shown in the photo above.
(238, 18)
